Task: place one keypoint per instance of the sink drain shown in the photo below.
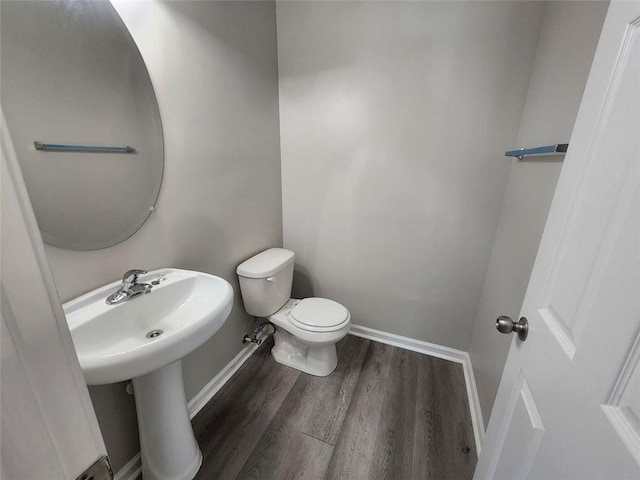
(154, 333)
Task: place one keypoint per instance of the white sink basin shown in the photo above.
(111, 340)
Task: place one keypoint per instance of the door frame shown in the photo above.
(49, 426)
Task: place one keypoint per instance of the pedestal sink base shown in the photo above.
(144, 339)
(168, 446)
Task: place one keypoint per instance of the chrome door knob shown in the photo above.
(505, 325)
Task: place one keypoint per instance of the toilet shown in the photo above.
(307, 330)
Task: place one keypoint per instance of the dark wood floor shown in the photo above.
(385, 413)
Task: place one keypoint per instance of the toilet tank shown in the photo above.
(265, 281)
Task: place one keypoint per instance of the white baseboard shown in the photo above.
(210, 389)
(440, 352)
(133, 469)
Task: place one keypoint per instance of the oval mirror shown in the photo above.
(72, 76)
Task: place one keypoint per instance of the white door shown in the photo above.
(568, 406)
(49, 430)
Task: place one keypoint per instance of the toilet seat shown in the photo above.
(318, 315)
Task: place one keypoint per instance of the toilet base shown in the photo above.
(314, 360)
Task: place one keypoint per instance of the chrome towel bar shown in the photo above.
(549, 149)
(58, 147)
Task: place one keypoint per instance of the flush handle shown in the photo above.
(505, 325)
(271, 279)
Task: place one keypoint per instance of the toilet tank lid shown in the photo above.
(266, 263)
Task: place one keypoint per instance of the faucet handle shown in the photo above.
(131, 276)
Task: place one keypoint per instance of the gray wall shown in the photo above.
(214, 69)
(394, 120)
(568, 40)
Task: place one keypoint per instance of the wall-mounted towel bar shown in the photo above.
(57, 147)
(559, 148)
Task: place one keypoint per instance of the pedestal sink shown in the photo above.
(144, 339)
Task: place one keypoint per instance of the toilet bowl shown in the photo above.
(307, 330)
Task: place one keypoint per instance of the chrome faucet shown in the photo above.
(130, 288)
